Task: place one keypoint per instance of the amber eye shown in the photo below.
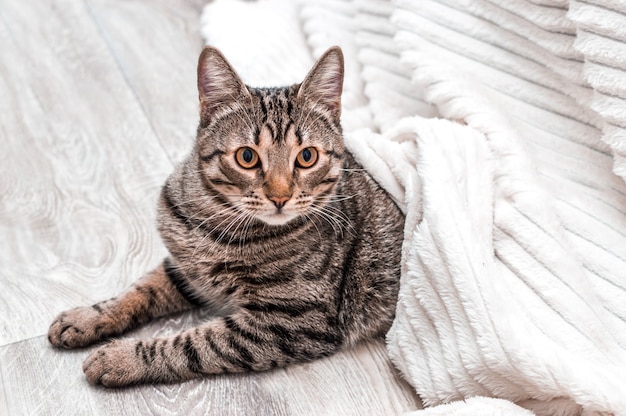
(307, 157)
(247, 158)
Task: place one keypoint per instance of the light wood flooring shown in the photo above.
(97, 103)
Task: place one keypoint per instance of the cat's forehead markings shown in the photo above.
(292, 138)
(266, 136)
(275, 113)
(272, 101)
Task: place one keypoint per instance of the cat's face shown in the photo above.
(271, 154)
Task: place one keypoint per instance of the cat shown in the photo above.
(269, 219)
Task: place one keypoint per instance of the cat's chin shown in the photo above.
(278, 218)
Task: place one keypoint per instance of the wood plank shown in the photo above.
(80, 173)
(4, 409)
(158, 60)
(40, 380)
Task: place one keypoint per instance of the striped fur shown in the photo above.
(300, 261)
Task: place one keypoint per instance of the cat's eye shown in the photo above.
(307, 157)
(247, 158)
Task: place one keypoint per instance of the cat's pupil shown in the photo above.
(247, 155)
(307, 155)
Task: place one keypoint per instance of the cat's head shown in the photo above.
(273, 153)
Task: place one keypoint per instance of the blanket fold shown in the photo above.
(513, 292)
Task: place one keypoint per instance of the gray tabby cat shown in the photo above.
(270, 220)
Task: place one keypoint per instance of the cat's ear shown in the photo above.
(324, 83)
(218, 83)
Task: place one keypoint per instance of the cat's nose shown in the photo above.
(279, 201)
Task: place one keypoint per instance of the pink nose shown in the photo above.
(279, 201)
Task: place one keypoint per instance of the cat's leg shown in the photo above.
(232, 344)
(152, 296)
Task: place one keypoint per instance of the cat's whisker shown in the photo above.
(226, 210)
(244, 224)
(189, 172)
(312, 221)
(232, 223)
(229, 216)
(244, 233)
(239, 221)
(335, 198)
(210, 201)
(334, 216)
(329, 206)
(338, 213)
(200, 243)
(223, 212)
(336, 226)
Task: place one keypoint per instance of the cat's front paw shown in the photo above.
(76, 328)
(114, 365)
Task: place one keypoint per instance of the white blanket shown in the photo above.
(513, 291)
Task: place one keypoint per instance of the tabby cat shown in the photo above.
(269, 219)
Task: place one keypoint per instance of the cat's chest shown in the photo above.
(284, 262)
(275, 271)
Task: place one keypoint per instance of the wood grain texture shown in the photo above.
(161, 73)
(98, 101)
(80, 172)
(44, 381)
(4, 410)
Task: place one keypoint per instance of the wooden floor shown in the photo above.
(97, 103)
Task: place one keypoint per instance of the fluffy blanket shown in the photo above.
(498, 126)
